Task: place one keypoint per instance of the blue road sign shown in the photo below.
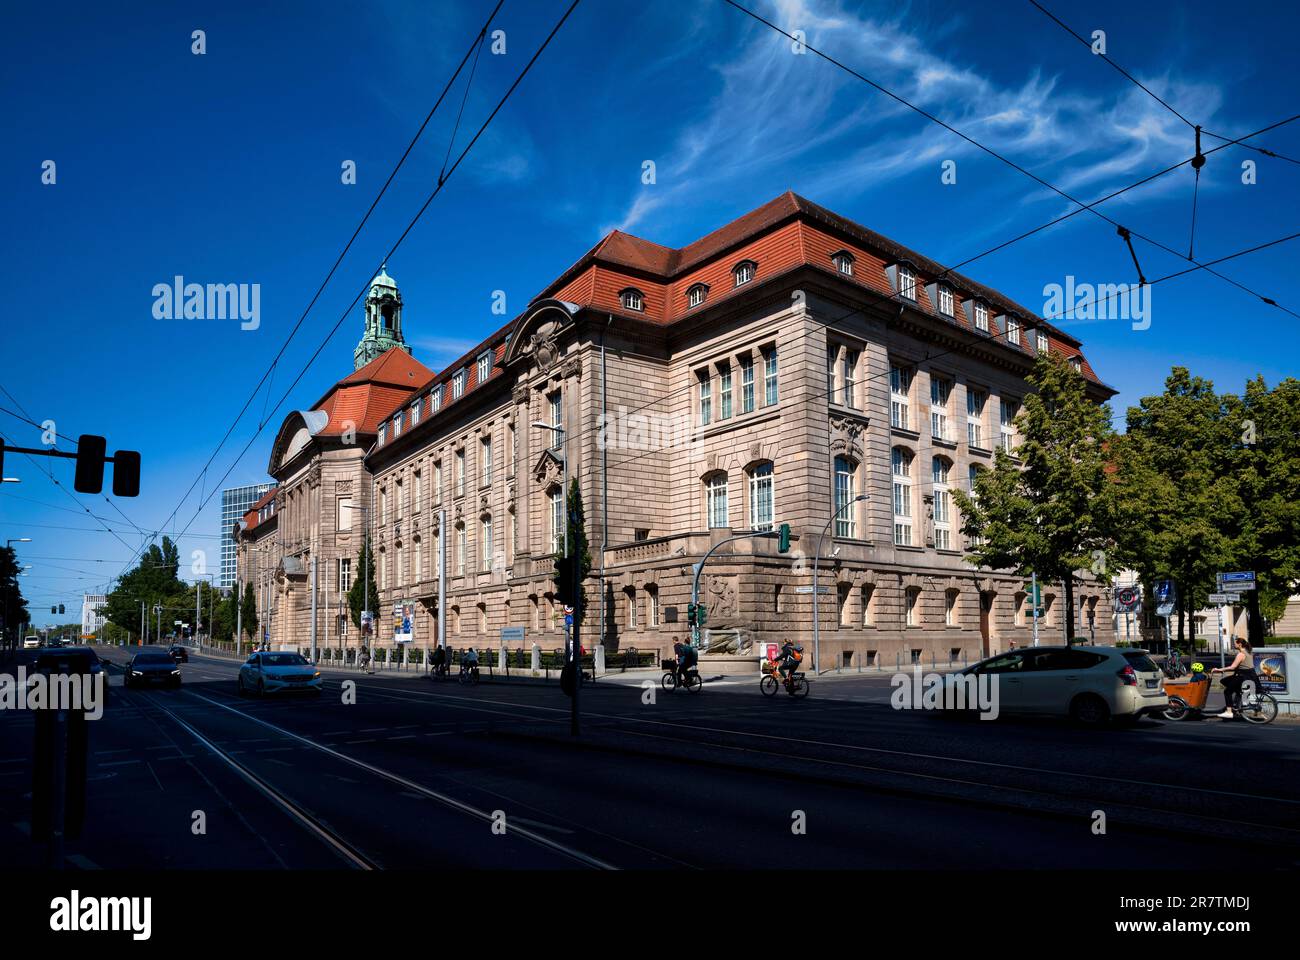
(1241, 576)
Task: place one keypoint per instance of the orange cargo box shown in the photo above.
(1194, 692)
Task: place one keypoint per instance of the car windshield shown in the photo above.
(153, 658)
(283, 659)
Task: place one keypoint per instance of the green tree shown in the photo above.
(578, 549)
(363, 584)
(152, 580)
(13, 606)
(1051, 513)
(1177, 498)
(249, 613)
(223, 617)
(1264, 428)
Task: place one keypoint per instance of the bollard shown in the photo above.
(501, 658)
(537, 658)
(598, 667)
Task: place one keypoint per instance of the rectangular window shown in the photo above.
(513, 448)
(760, 498)
(397, 424)
(981, 317)
(419, 490)
(458, 384)
(716, 501)
(832, 357)
(417, 571)
(344, 514)
(1041, 342)
(945, 300)
(652, 603)
(906, 282)
(460, 472)
(846, 488)
(383, 505)
(1006, 417)
(486, 546)
(460, 551)
(724, 391)
(556, 401)
(769, 377)
(415, 413)
(383, 434)
(747, 385)
(848, 378)
(557, 521)
(975, 417)
(435, 401)
(1013, 331)
(900, 385)
(913, 596)
(631, 607)
(950, 609)
(902, 470)
(940, 389)
(706, 400)
(437, 482)
(485, 453)
(345, 574)
(484, 366)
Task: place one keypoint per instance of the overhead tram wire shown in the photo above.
(410, 226)
(993, 153)
(1151, 93)
(474, 45)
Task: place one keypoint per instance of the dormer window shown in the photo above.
(397, 424)
(981, 316)
(415, 413)
(1077, 364)
(945, 300)
(1013, 331)
(696, 294)
(1040, 342)
(484, 365)
(383, 434)
(744, 271)
(843, 262)
(906, 282)
(435, 401)
(632, 299)
(458, 384)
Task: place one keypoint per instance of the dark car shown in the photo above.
(150, 667)
(179, 653)
(69, 660)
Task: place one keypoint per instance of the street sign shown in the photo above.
(512, 634)
(821, 591)
(1128, 599)
(1240, 576)
(1165, 593)
(1225, 598)
(1237, 587)
(1165, 610)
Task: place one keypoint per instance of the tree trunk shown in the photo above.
(1068, 583)
(1182, 611)
(1254, 620)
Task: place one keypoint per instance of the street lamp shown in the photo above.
(10, 480)
(817, 633)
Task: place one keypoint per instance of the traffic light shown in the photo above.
(702, 614)
(89, 477)
(690, 614)
(783, 538)
(126, 473)
(60, 608)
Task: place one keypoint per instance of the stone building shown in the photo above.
(790, 367)
(308, 530)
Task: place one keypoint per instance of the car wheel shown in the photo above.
(1089, 710)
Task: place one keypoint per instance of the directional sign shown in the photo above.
(820, 590)
(1225, 598)
(1247, 576)
(1236, 587)
(512, 634)
(1165, 610)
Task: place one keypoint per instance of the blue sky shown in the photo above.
(225, 168)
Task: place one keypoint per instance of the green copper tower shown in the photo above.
(383, 320)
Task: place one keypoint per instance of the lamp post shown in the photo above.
(817, 634)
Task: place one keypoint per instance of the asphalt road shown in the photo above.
(423, 774)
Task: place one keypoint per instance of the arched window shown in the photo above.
(632, 299)
(761, 497)
(744, 271)
(902, 470)
(846, 489)
(843, 261)
(696, 294)
(715, 500)
(939, 472)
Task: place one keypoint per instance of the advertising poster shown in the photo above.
(403, 622)
(1271, 670)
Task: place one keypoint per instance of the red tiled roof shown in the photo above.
(372, 393)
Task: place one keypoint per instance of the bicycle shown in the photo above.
(468, 673)
(672, 678)
(797, 685)
(1252, 705)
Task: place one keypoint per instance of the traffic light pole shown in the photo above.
(695, 623)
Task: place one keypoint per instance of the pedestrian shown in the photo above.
(365, 660)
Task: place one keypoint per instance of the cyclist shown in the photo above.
(788, 659)
(439, 661)
(1237, 673)
(687, 657)
(469, 662)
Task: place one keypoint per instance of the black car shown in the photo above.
(150, 667)
(179, 653)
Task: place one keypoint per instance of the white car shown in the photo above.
(31, 642)
(270, 671)
(1089, 684)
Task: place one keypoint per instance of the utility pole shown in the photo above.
(1033, 599)
(313, 608)
(442, 578)
(239, 614)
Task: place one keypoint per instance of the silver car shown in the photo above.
(270, 671)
